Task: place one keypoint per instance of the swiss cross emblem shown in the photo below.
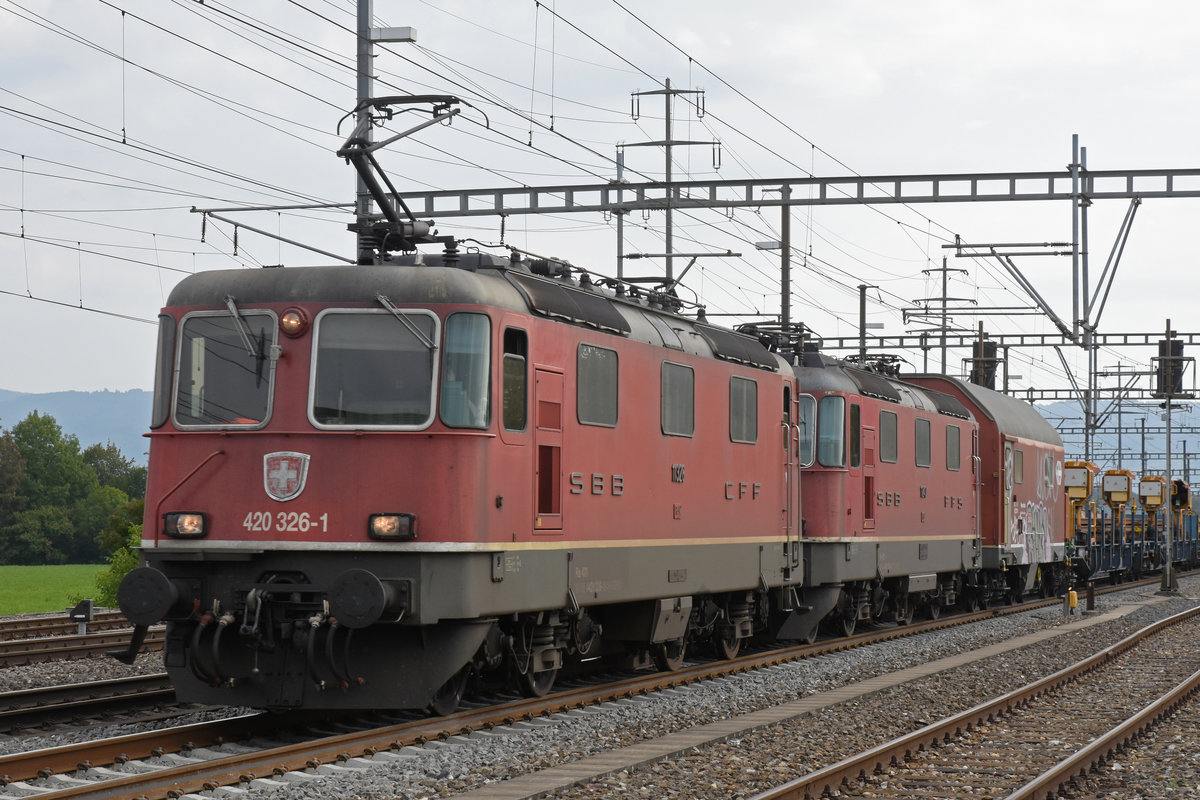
(284, 474)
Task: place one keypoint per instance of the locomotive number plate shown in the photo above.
(285, 522)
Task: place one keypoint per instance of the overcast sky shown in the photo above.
(116, 118)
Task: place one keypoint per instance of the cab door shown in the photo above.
(548, 438)
(791, 478)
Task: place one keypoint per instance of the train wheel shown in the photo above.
(668, 656)
(726, 643)
(847, 625)
(904, 614)
(538, 684)
(935, 609)
(446, 699)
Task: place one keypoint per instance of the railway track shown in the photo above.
(1033, 743)
(201, 751)
(22, 652)
(245, 750)
(57, 705)
(59, 625)
(101, 702)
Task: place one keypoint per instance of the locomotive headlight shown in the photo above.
(185, 524)
(393, 527)
(293, 322)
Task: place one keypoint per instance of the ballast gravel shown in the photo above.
(735, 768)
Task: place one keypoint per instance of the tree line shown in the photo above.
(60, 504)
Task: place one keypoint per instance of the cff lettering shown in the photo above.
(735, 490)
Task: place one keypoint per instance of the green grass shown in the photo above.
(26, 590)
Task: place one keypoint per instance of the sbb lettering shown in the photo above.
(597, 483)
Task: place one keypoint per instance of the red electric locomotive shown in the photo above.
(889, 496)
(368, 483)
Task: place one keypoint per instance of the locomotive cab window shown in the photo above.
(678, 400)
(516, 379)
(806, 417)
(465, 371)
(163, 372)
(743, 410)
(596, 395)
(888, 449)
(225, 369)
(922, 448)
(374, 369)
(831, 431)
(953, 448)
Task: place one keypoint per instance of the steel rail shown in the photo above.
(24, 708)
(59, 625)
(881, 757)
(1054, 781)
(22, 652)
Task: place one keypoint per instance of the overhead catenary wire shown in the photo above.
(834, 261)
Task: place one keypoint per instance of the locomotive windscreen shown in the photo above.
(224, 373)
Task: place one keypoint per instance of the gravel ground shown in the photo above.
(735, 768)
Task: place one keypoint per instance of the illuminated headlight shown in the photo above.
(293, 322)
(185, 524)
(392, 526)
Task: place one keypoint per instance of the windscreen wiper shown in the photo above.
(406, 322)
(247, 338)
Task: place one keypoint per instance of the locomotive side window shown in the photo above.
(922, 448)
(1018, 465)
(516, 379)
(953, 448)
(743, 410)
(888, 449)
(831, 431)
(224, 369)
(806, 418)
(855, 435)
(466, 371)
(163, 372)
(373, 368)
(678, 400)
(596, 395)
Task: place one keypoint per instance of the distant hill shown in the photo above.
(92, 417)
(1185, 437)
